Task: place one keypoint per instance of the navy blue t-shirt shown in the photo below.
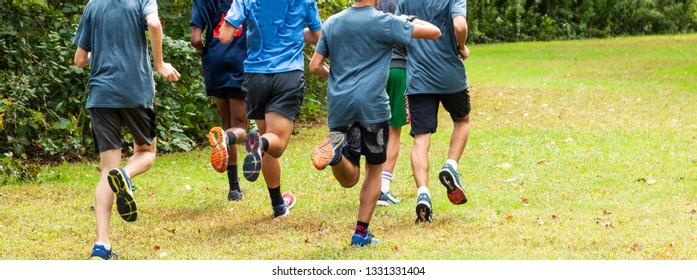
(222, 64)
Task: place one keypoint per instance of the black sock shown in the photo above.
(232, 177)
(276, 197)
(361, 228)
(231, 138)
(264, 144)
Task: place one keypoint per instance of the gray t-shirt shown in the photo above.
(399, 53)
(114, 33)
(359, 43)
(434, 67)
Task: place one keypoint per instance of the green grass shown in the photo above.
(599, 137)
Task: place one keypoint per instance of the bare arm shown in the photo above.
(425, 30)
(165, 70)
(82, 57)
(227, 32)
(461, 28)
(318, 67)
(311, 37)
(195, 39)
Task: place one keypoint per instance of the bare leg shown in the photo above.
(458, 140)
(104, 196)
(346, 173)
(276, 129)
(419, 158)
(392, 148)
(370, 191)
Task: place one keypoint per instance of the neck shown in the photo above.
(363, 3)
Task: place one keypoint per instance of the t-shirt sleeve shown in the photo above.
(83, 35)
(149, 7)
(458, 8)
(400, 30)
(196, 18)
(312, 19)
(322, 47)
(235, 16)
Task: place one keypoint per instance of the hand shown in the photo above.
(464, 52)
(167, 71)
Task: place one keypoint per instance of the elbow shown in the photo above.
(80, 62)
(314, 69)
(154, 24)
(436, 34)
(225, 39)
(460, 25)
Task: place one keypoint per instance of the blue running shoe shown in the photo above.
(329, 151)
(360, 241)
(424, 212)
(101, 253)
(122, 187)
(280, 211)
(252, 162)
(450, 179)
(386, 199)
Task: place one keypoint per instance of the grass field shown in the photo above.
(580, 150)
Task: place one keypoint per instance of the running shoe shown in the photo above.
(386, 199)
(217, 138)
(235, 195)
(122, 187)
(329, 151)
(283, 210)
(424, 212)
(252, 162)
(99, 252)
(450, 179)
(360, 241)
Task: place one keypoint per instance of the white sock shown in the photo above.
(106, 246)
(422, 189)
(452, 163)
(386, 180)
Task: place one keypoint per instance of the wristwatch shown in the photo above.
(411, 18)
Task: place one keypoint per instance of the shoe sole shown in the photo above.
(125, 204)
(385, 203)
(252, 162)
(219, 154)
(456, 194)
(322, 154)
(290, 206)
(423, 213)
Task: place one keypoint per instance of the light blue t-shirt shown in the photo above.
(359, 43)
(114, 33)
(434, 67)
(275, 36)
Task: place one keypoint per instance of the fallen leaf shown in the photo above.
(151, 196)
(509, 217)
(636, 246)
(692, 211)
(568, 140)
(99, 170)
(607, 212)
(307, 240)
(492, 216)
(163, 254)
(396, 248)
(608, 225)
(555, 217)
(156, 247)
(540, 161)
(597, 221)
(524, 200)
(172, 231)
(489, 198)
(648, 181)
(670, 245)
(504, 166)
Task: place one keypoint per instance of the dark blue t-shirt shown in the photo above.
(222, 64)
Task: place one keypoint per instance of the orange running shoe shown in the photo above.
(219, 155)
(329, 151)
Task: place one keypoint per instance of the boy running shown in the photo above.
(222, 72)
(437, 76)
(121, 91)
(359, 42)
(274, 82)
